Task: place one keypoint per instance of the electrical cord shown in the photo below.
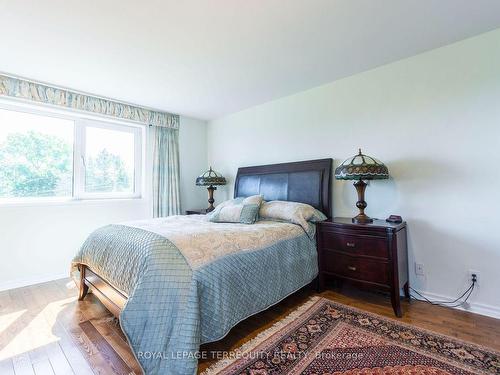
(443, 302)
(446, 303)
(464, 301)
(453, 303)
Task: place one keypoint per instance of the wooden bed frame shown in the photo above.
(305, 181)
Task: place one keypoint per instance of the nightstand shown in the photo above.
(372, 255)
(197, 211)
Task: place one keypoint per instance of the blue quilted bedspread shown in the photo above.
(173, 306)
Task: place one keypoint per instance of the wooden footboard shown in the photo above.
(111, 297)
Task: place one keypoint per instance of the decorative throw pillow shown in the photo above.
(238, 210)
(293, 212)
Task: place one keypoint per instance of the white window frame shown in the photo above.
(81, 122)
(79, 160)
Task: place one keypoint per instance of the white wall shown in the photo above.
(193, 162)
(37, 242)
(434, 119)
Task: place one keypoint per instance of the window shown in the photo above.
(46, 155)
(110, 157)
(36, 155)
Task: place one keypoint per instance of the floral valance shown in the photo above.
(36, 92)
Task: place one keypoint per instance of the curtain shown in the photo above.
(19, 88)
(166, 191)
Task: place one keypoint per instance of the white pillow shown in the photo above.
(238, 210)
(293, 212)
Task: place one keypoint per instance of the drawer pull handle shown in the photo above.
(351, 268)
(350, 244)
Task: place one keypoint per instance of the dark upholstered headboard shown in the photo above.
(304, 181)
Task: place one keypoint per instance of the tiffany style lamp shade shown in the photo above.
(211, 179)
(361, 167)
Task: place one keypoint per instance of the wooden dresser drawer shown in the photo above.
(356, 245)
(374, 255)
(353, 267)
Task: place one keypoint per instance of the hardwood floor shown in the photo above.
(44, 330)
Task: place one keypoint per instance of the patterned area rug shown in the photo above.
(326, 338)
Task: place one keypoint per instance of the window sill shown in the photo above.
(70, 202)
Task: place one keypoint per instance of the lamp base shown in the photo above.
(211, 199)
(361, 218)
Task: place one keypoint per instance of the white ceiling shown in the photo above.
(208, 58)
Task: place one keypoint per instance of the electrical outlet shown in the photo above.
(475, 272)
(419, 269)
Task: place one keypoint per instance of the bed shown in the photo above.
(182, 281)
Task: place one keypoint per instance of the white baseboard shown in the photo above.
(19, 283)
(473, 307)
